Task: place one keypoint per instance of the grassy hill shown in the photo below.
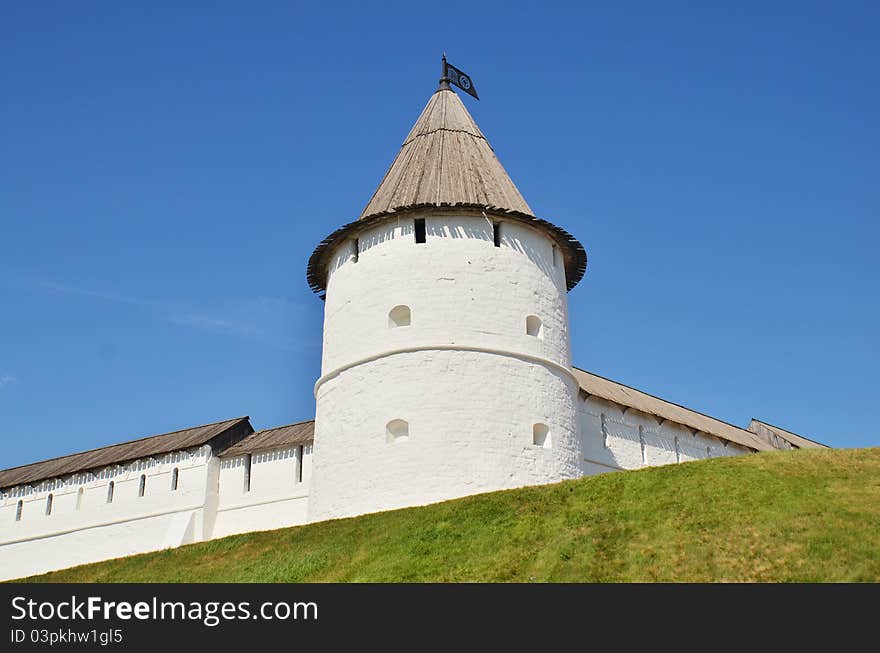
(787, 516)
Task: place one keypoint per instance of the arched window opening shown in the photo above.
(142, 485)
(534, 327)
(49, 500)
(400, 316)
(18, 509)
(110, 487)
(79, 497)
(541, 435)
(397, 430)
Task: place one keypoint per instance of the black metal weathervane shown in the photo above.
(451, 74)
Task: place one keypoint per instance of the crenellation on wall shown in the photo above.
(126, 477)
(277, 495)
(206, 503)
(82, 518)
(446, 371)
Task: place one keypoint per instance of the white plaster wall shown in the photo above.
(461, 289)
(95, 543)
(464, 374)
(99, 530)
(622, 445)
(471, 417)
(275, 498)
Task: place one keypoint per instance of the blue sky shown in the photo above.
(167, 168)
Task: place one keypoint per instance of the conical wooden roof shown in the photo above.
(446, 164)
(446, 160)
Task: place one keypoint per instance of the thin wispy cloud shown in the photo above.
(267, 320)
(67, 289)
(6, 380)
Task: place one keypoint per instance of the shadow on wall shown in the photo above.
(378, 235)
(629, 439)
(539, 250)
(510, 236)
(477, 229)
(537, 256)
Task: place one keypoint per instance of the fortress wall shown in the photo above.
(276, 497)
(84, 527)
(614, 437)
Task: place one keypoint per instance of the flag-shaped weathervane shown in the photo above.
(457, 77)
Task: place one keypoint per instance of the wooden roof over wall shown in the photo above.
(769, 432)
(595, 385)
(280, 436)
(236, 436)
(219, 435)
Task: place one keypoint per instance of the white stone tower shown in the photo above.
(446, 368)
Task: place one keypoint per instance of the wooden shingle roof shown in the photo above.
(219, 435)
(446, 164)
(623, 395)
(292, 434)
(445, 159)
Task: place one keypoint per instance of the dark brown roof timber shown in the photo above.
(573, 253)
(761, 428)
(292, 434)
(218, 435)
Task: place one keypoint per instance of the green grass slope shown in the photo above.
(787, 516)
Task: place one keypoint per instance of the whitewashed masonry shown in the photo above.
(446, 371)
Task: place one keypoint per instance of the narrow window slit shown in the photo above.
(420, 230)
(496, 233)
(604, 430)
(642, 446)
